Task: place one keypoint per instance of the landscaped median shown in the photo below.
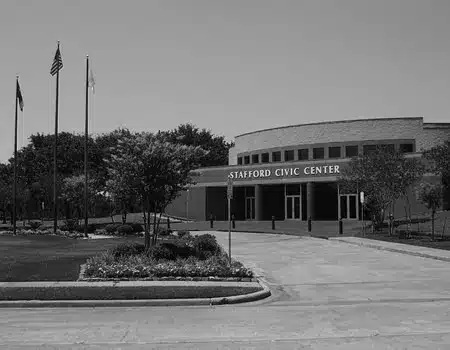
(178, 270)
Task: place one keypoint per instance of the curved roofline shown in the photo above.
(328, 122)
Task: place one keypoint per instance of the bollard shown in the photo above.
(309, 224)
(341, 226)
(211, 220)
(168, 223)
(273, 222)
(233, 222)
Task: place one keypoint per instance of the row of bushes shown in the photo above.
(202, 247)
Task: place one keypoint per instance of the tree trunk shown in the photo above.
(155, 225)
(124, 217)
(146, 227)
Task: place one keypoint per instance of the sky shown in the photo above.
(231, 66)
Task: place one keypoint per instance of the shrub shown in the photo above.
(71, 224)
(90, 228)
(137, 228)
(34, 224)
(162, 252)
(125, 229)
(163, 232)
(127, 249)
(64, 228)
(171, 251)
(184, 234)
(206, 246)
(111, 228)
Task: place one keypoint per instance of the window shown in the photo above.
(288, 155)
(303, 154)
(276, 156)
(292, 190)
(247, 160)
(239, 160)
(318, 153)
(351, 151)
(406, 147)
(265, 158)
(250, 191)
(367, 149)
(334, 152)
(388, 148)
(255, 158)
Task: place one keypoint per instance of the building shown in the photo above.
(291, 172)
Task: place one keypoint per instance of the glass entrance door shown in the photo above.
(293, 207)
(349, 206)
(250, 208)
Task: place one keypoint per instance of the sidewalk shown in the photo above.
(431, 253)
(286, 227)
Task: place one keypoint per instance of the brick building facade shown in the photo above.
(291, 172)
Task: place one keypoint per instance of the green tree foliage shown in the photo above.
(439, 161)
(189, 135)
(431, 196)
(154, 170)
(73, 195)
(384, 176)
(6, 178)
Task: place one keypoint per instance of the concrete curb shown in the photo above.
(390, 249)
(244, 298)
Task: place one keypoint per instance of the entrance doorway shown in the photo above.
(348, 204)
(249, 208)
(294, 207)
(293, 202)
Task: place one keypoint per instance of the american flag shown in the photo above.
(91, 81)
(19, 96)
(57, 63)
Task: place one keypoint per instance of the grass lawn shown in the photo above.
(48, 258)
(423, 241)
(421, 233)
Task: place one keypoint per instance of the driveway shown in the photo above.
(305, 270)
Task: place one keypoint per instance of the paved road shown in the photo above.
(327, 295)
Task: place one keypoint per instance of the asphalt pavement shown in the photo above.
(326, 295)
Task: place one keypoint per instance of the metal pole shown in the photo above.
(86, 151)
(229, 229)
(15, 166)
(55, 195)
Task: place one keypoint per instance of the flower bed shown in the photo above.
(130, 262)
(43, 231)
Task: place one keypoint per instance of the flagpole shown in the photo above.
(86, 150)
(15, 163)
(55, 196)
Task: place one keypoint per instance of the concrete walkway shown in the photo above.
(431, 253)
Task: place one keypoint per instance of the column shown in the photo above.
(258, 203)
(310, 200)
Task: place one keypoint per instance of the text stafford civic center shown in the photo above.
(281, 172)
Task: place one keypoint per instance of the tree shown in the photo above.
(73, 195)
(154, 170)
(6, 179)
(431, 196)
(439, 164)
(189, 135)
(384, 176)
